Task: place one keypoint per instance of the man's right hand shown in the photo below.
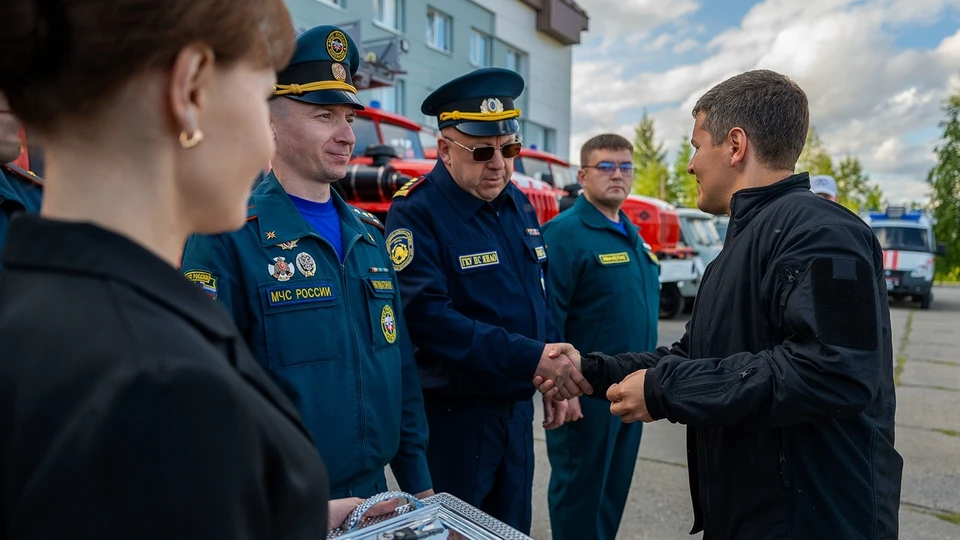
(560, 363)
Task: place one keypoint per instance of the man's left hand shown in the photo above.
(554, 413)
(627, 399)
(424, 494)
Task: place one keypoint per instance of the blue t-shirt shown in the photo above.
(619, 225)
(324, 219)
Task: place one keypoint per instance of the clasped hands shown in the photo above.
(559, 376)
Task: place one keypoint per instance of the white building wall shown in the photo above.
(547, 72)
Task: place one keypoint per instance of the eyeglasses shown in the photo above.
(485, 153)
(610, 168)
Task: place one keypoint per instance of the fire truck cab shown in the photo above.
(909, 252)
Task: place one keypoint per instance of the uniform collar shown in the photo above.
(9, 174)
(6, 190)
(594, 218)
(465, 204)
(747, 203)
(35, 243)
(280, 221)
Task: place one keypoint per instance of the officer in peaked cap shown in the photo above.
(322, 69)
(479, 104)
(466, 244)
(311, 286)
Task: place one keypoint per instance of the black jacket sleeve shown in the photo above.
(824, 285)
(602, 371)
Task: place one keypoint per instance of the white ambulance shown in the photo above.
(909, 251)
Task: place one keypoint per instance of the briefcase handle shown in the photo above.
(353, 520)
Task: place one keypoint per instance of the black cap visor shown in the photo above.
(329, 97)
(489, 129)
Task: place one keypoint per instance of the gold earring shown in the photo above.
(189, 141)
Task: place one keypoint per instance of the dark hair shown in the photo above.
(67, 58)
(606, 141)
(768, 106)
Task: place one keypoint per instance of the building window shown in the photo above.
(515, 60)
(390, 13)
(479, 47)
(387, 98)
(537, 137)
(438, 30)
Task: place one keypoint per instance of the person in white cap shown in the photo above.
(824, 186)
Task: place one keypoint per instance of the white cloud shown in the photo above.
(686, 45)
(867, 98)
(630, 20)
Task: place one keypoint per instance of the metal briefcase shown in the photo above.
(439, 517)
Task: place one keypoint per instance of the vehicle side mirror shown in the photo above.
(941, 249)
(547, 177)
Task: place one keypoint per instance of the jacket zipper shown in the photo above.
(782, 443)
(726, 383)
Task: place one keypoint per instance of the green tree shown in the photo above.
(682, 186)
(814, 158)
(944, 179)
(854, 189)
(649, 158)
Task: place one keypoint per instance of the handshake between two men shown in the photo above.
(559, 376)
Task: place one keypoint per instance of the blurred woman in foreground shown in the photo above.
(129, 406)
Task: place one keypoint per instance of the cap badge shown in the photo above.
(339, 73)
(337, 46)
(491, 106)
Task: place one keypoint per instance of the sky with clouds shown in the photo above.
(876, 72)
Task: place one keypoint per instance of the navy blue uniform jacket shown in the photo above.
(472, 278)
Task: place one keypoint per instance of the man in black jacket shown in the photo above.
(784, 376)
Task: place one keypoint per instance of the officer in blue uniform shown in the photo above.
(605, 296)
(20, 190)
(471, 262)
(310, 285)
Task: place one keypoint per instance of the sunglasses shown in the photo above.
(609, 168)
(485, 153)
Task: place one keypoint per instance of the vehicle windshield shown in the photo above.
(704, 232)
(561, 176)
(366, 133)
(405, 141)
(902, 238)
(533, 167)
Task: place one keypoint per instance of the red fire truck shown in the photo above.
(392, 149)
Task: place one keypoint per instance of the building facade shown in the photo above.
(438, 40)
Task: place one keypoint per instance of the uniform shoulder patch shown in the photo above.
(25, 174)
(400, 248)
(367, 217)
(409, 186)
(204, 279)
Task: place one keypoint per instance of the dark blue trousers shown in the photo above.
(483, 454)
(591, 462)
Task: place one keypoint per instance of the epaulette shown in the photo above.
(251, 213)
(409, 186)
(25, 174)
(367, 217)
